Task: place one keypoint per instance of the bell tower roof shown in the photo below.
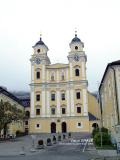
(40, 43)
(75, 39)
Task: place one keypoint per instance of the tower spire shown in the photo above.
(75, 32)
(40, 36)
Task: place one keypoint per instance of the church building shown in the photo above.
(59, 92)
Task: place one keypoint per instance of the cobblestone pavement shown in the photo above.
(56, 152)
(64, 150)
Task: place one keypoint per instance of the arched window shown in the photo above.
(52, 96)
(77, 72)
(27, 114)
(62, 76)
(38, 74)
(52, 77)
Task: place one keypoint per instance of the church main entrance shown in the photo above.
(53, 127)
(64, 127)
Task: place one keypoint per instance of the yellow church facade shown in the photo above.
(59, 92)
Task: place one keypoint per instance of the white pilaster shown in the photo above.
(32, 108)
(58, 103)
(72, 102)
(48, 103)
(83, 70)
(47, 76)
(85, 102)
(43, 73)
(43, 103)
(68, 103)
(32, 73)
(71, 70)
(67, 78)
(57, 76)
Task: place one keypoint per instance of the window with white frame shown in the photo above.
(37, 111)
(52, 76)
(37, 97)
(53, 96)
(77, 94)
(63, 96)
(77, 72)
(79, 125)
(53, 111)
(63, 110)
(62, 76)
(37, 126)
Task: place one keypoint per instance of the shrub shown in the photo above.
(105, 139)
(95, 131)
(105, 130)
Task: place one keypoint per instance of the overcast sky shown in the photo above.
(22, 21)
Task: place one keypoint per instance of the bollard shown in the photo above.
(22, 151)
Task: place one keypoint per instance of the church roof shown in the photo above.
(92, 117)
(114, 63)
(57, 66)
(10, 95)
(75, 39)
(40, 42)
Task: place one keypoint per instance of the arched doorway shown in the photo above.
(64, 127)
(95, 125)
(53, 127)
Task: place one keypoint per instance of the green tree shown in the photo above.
(105, 139)
(9, 113)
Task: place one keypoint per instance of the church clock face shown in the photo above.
(76, 57)
(37, 61)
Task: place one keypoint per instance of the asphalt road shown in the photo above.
(56, 152)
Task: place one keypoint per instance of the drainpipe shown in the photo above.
(116, 94)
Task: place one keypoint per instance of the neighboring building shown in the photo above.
(59, 94)
(6, 96)
(109, 91)
(26, 103)
(94, 111)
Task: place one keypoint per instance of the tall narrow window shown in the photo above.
(63, 77)
(38, 97)
(63, 111)
(53, 97)
(77, 95)
(37, 111)
(52, 77)
(53, 111)
(77, 72)
(79, 124)
(38, 75)
(63, 96)
(78, 109)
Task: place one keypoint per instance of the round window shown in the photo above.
(38, 50)
(76, 47)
